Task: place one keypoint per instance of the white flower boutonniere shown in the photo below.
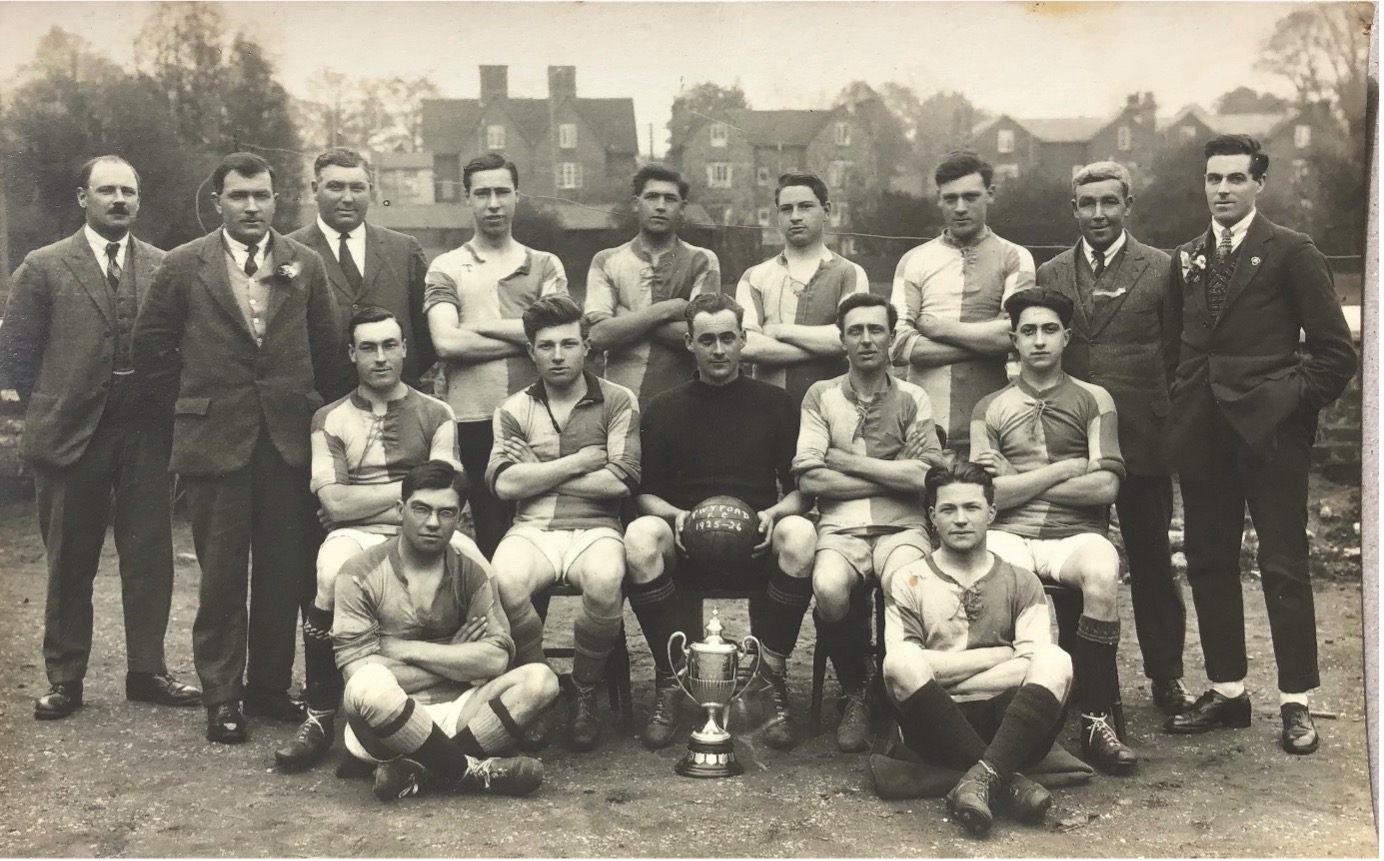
(1194, 263)
(288, 271)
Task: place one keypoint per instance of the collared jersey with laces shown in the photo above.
(475, 389)
(1032, 429)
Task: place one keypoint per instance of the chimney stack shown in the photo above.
(494, 84)
(562, 82)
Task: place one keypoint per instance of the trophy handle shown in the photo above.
(677, 677)
(758, 659)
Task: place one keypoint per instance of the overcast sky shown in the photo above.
(1026, 59)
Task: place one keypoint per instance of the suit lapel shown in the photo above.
(218, 283)
(323, 247)
(88, 273)
(374, 259)
(144, 268)
(1252, 253)
(1067, 283)
(279, 287)
(1197, 287)
(1131, 268)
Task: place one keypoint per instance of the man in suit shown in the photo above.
(241, 324)
(1119, 287)
(1241, 422)
(65, 348)
(366, 265)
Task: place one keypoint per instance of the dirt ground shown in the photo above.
(125, 779)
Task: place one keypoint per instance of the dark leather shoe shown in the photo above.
(1102, 747)
(970, 800)
(1171, 696)
(275, 706)
(225, 723)
(62, 699)
(1025, 800)
(311, 743)
(160, 689)
(1210, 711)
(1299, 731)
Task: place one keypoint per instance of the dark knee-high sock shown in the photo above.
(1028, 720)
(412, 733)
(526, 628)
(593, 639)
(936, 730)
(1093, 663)
(492, 732)
(323, 684)
(656, 606)
(776, 614)
(848, 649)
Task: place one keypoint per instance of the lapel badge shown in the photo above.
(1254, 261)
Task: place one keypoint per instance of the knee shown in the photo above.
(644, 544)
(905, 672)
(794, 543)
(1051, 667)
(512, 584)
(603, 581)
(1098, 571)
(537, 682)
(370, 692)
(831, 585)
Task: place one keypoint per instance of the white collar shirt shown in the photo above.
(355, 240)
(1237, 230)
(1109, 252)
(98, 245)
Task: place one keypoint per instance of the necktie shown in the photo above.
(1099, 257)
(1223, 249)
(250, 264)
(113, 266)
(348, 264)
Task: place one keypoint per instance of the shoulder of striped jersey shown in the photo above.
(1104, 403)
(319, 418)
(437, 404)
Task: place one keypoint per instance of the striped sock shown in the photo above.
(593, 639)
(655, 605)
(776, 615)
(492, 732)
(527, 630)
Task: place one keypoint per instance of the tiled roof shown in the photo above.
(448, 123)
(778, 128)
(1258, 125)
(1051, 130)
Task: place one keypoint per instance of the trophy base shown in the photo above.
(715, 759)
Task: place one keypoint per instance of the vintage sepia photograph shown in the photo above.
(817, 429)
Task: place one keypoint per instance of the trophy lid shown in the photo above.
(714, 642)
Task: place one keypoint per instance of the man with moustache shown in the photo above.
(953, 336)
(1262, 347)
(566, 453)
(96, 444)
(790, 300)
(367, 265)
(362, 446)
(636, 293)
(475, 297)
(863, 451)
(1119, 288)
(241, 325)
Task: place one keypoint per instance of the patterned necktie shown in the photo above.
(1223, 249)
(113, 265)
(348, 264)
(250, 265)
(1098, 257)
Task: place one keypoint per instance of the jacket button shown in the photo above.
(355, 306)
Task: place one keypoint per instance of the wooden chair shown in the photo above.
(617, 678)
(1066, 607)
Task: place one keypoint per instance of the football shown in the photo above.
(720, 534)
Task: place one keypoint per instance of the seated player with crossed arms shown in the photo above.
(566, 451)
(971, 670)
(865, 444)
(424, 647)
(362, 445)
(1050, 442)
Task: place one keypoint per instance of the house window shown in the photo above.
(569, 175)
(1124, 141)
(762, 216)
(1187, 132)
(848, 245)
(1302, 136)
(567, 135)
(728, 215)
(1300, 168)
(494, 137)
(718, 174)
(838, 173)
(843, 134)
(840, 214)
(720, 133)
(762, 176)
(1004, 141)
(1007, 171)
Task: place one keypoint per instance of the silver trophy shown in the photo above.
(711, 681)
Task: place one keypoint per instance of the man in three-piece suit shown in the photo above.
(1241, 423)
(1120, 289)
(96, 447)
(241, 324)
(366, 264)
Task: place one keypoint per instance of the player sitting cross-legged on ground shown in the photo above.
(865, 445)
(1050, 442)
(424, 647)
(566, 452)
(971, 670)
(362, 445)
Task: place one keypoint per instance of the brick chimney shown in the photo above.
(562, 82)
(494, 84)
